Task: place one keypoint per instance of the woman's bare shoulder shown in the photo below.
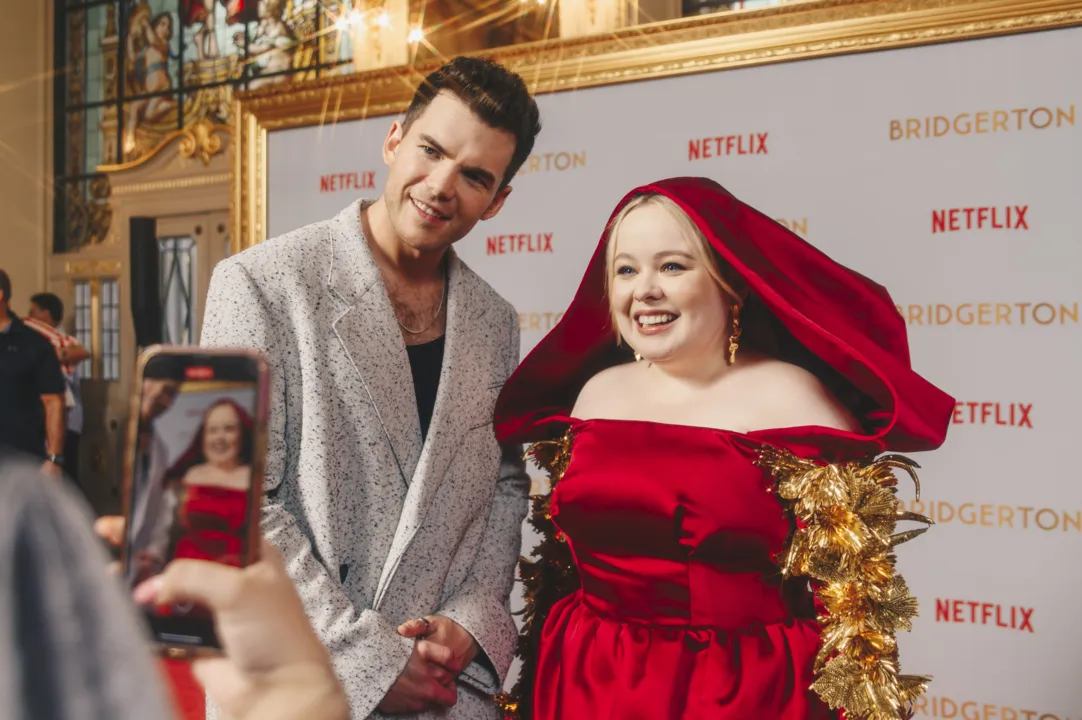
(602, 391)
(196, 475)
(793, 396)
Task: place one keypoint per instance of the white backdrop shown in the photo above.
(1005, 120)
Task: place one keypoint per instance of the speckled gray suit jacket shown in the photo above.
(377, 527)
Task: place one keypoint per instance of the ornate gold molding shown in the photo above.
(93, 268)
(201, 139)
(178, 184)
(796, 31)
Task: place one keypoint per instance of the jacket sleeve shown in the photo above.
(845, 515)
(482, 605)
(367, 651)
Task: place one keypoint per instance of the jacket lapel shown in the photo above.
(457, 388)
(368, 332)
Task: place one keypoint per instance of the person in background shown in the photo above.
(153, 515)
(385, 487)
(46, 316)
(73, 647)
(31, 389)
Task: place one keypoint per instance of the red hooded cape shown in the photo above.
(827, 318)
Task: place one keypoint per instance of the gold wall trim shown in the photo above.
(178, 184)
(86, 268)
(202, 138)
(796, 31)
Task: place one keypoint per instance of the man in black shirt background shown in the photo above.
(31, 389)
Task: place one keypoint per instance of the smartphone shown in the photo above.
(193, 475)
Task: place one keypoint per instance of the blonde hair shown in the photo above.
(700, 246)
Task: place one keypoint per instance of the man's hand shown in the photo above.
(427, 681)
(52, 470)
(443, 649)
(444, 631)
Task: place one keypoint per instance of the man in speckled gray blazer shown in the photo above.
(386, 489)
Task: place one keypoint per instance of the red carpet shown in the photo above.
(187, 694)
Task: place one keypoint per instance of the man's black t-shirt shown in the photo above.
(29, 369)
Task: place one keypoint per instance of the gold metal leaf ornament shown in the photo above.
(846, 516)
(547, 576)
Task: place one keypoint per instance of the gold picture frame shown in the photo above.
(796, 31)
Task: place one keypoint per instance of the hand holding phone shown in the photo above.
(273, 665)
(193, 476)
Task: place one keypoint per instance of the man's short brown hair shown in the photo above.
(496, 95)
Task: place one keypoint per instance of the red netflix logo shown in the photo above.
(337, 182)
(982, 613)
(1008, 217)
(724, 145)
(993, 413)
(523, 243)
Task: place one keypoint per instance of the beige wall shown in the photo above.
(25, 145)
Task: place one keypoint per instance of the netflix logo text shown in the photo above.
(993, 413)
(727, 145)
(982, 122)
(1003, 517)
(1007, 217)
(797, 225)
(519, 244)
(932, 706)
(337, 182)
(991, 313)
(538, 321)
(553, 162)
(970, 612)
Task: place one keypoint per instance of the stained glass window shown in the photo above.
(131, 72)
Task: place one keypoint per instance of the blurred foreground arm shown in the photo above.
(71, 646)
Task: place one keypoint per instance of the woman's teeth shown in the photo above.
(656, 319)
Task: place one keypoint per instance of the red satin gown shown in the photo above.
(212, 524)
(682, 612)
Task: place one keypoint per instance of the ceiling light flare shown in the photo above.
(348, 20)
(415, 36)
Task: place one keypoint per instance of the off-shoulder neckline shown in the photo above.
(791, 430)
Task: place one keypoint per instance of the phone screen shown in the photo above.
(194, 475)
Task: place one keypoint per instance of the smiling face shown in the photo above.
(222, 435)
(665, 291)
(445, 174)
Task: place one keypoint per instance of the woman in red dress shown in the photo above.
(718, 540)
(211, 480)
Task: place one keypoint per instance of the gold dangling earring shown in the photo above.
(734, 339)
(637, 356)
